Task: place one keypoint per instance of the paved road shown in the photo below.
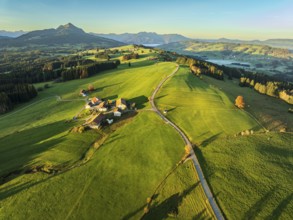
(202, 179)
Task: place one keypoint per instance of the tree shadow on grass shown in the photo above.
(210, 140)
(200, 215)
(276, 213)
(169, 206)
(258, 206)
(140, 209)
(161, 96)
(139, 101)
(112, 97)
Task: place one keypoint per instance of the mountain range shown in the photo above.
(64, 34)
(145, 38)
(72, 35)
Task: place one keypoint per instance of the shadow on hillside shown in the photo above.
(20, 149)
(287, 153)
(139, 101)
(159, 97)
(112, 97)
(200, 215)
(259, 205)
(169, 206)
(211, 139)
(139, 210)
(276, 213)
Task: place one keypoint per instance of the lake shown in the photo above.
(228, 62)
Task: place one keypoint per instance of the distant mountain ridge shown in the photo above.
(4, 33)
(279, 43)
(64, 34)
(145, 38)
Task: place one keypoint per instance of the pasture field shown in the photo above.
(115, 183)
(29, 133)
(271, 112)
(200, 109)
(251, 176)
(121, 175)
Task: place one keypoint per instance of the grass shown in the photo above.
(201, 109)
(179, 196)
(123, 172)
(46, 119)
(114, 184)
(251, 176)
(270, 112)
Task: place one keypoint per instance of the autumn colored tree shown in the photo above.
(91, 87)
(239, 102)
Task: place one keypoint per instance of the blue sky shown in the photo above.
(242, 19)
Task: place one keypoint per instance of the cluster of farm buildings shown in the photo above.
(104, 110)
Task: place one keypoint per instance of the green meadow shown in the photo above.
(126, 169)
(250, 176)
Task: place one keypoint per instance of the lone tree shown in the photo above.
(239, 102)
(91, 87)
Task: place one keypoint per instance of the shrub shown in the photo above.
(40, 89)
(239, 102)
(46, 86)
(91, 87)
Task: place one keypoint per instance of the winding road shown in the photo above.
(193, 157)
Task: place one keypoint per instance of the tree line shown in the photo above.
(11, 94)
(81, 72)
(199, 67)
(130, 56)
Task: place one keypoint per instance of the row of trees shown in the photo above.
(199, 67)
(11, 94)
(130, 56)
(82, 72)
(268, 86)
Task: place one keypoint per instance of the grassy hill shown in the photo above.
(133, 160)
(250, 175)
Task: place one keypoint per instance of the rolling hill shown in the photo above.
(227, 49)
(64, 34)
(279, 43)
(145, 38)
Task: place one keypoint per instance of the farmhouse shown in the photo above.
(95, 121)
(102, 107)
(95, 101)
(121, 104)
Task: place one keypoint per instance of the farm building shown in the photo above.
(95, 101)
(121, 104)
(102, 107)
(95, 121)
(117, 113)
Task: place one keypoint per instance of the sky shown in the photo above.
(234, 19)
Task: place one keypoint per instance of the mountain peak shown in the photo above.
(69, 27)
(66, 26)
